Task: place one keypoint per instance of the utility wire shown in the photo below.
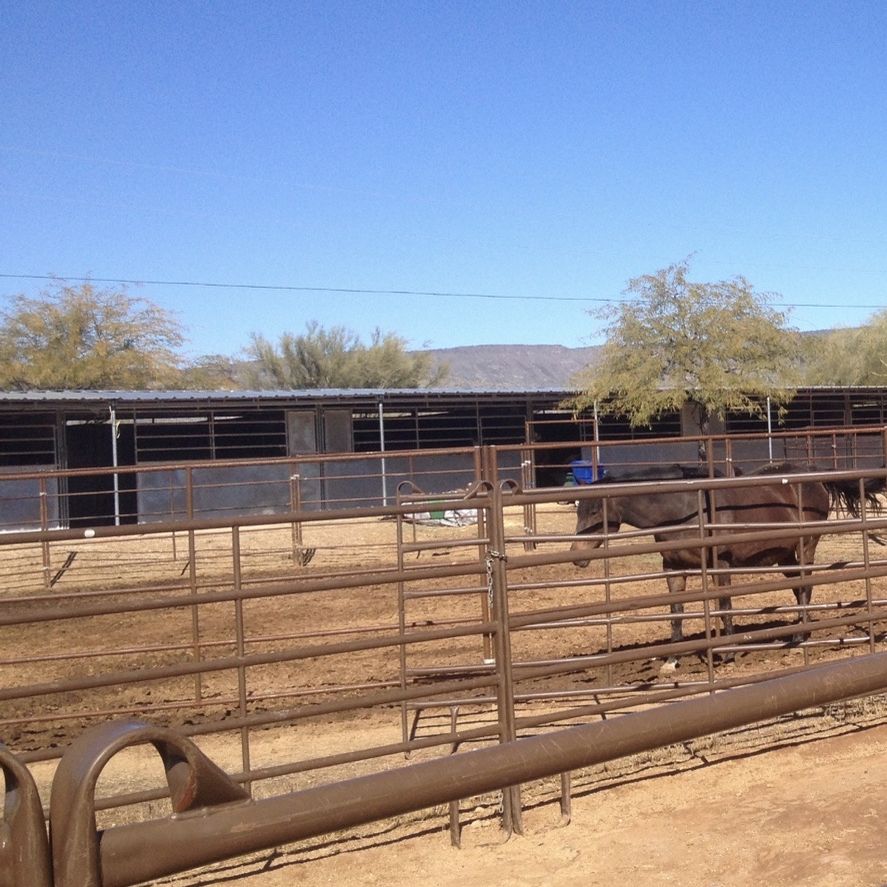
(375, 292)
(303, 289)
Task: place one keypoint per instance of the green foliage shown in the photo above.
(80, 337)
(717, 346)
(336, 358)
(849, 356)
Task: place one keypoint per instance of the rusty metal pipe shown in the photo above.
(129, 854)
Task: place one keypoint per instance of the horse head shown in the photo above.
(590, 521)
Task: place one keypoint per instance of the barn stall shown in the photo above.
(87, 458)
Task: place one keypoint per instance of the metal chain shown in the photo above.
(492, 555)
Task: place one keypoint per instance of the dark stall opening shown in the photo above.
(90, 497)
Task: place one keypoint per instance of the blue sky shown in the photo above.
(542, 153)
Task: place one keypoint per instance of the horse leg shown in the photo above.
(803, 594)
(676, 584)
(805, 554)
(725, 602)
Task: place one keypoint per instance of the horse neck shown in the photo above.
(658, 509)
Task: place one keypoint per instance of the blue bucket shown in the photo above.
(583, 471)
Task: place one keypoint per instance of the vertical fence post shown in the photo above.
(402, 622)
(528, 481)
(483, 528)
(296, 505)
(729, 469)
(172, 512)
(707, 557)
(608, 585)
(240, 645)
(498, 596)
(192, 578)
(866, 559)
(803, 615)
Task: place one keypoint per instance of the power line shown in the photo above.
(377, 292)
(304, 289)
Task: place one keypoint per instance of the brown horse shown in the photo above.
(781, 501)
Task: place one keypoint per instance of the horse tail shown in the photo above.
(846, 496)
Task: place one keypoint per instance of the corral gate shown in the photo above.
(493, 662)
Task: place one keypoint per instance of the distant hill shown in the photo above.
(508, 367)
(523, 367)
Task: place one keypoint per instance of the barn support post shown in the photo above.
(596, 432)
(224, 823)
(115, 480)
(382, 449)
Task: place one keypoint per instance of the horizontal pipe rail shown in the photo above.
(473, 499)
(215, 465)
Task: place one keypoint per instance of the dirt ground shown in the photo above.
(800, 801)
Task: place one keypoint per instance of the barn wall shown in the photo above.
(20, 500)
(217, 492)
(278, 487)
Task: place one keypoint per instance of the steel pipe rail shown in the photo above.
(217, 825)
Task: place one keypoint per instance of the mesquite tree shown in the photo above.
(716, 347)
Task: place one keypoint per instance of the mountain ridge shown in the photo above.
(509, 367)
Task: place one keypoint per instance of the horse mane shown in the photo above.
(646, 473)
(784, 467)
(673, 471)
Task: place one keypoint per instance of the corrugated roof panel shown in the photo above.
(269, 395)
